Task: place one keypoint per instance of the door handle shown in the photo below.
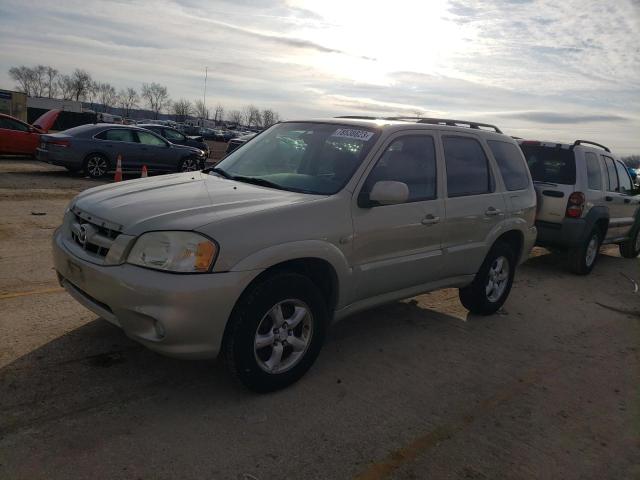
(608, 199)
(430, 220)
(492, 212)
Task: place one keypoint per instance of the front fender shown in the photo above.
(317, 249)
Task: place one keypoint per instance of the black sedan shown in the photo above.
(174, 136)
(238, 142)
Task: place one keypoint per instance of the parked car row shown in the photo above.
(94, 149)
(312, 221)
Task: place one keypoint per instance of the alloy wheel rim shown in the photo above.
(592, 250)
(189, 165)
(498, 279)
(283, 336)
(97, 166)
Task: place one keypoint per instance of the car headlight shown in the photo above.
(184, 252)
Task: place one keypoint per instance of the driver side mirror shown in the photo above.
(388, 193)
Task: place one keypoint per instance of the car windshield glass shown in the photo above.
(317, 158)
(550, 164)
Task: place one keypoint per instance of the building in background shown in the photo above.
(14, 104)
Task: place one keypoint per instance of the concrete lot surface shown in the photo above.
(547, 388)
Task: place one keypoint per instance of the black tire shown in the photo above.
(241, 356)
(190, 164)
(475, 297)
(631, 247)
(578, 257)
(96, 165)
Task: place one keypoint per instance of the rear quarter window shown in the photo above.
(549, 164)
(512, 168)
(594, 175)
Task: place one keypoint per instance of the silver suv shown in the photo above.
(585, 198)
(307, 223)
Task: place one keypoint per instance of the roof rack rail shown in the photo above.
(449, 122)
(580, 142)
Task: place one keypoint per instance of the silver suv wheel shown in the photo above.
(592, 250)
(283, 336)
(497, 279)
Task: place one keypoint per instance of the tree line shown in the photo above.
(48, 82)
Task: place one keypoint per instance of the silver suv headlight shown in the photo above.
(184, 252)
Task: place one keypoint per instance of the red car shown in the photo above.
(19, 138)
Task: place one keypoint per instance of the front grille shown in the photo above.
(92, 235)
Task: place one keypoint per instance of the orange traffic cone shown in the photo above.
(118, 177)
(144, 172)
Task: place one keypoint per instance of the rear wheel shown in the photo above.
(492, 284)
(631, 248)
(96, 165)
(275, 332)
(582, 259)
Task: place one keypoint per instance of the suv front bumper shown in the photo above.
(179, 315)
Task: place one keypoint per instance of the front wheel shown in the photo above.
(275, 332)
(583, 258)
(631, 247)
(492, 284)
(190, 165)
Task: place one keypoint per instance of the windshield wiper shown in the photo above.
(257, 181)
(219, 171)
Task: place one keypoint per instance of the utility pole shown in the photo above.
(204, 96)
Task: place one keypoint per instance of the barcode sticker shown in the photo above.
(363, 135)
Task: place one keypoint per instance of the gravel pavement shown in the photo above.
(547, 388)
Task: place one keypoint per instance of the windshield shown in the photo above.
(317, 158)
(552, 165)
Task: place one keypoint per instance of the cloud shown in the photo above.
(566, 69)
(566, 118)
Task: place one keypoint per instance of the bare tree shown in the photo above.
(251, 116)
(65, 85)
(201, 109)
(218, 113)
(23, 76)
(91, 93)
(235, 116)
(106, 94)
(128, 100)
(156, 97)
(52, 85)
(82, 84)
(39, 74)
(269, 117)
(182, 109)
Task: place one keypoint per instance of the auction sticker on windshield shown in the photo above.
(363, 135)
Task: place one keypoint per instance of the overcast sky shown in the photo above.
(554, 70)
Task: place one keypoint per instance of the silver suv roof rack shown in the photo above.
(580, 142)
(449, 122)
(433, 121)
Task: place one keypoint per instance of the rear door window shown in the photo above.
(594, 174)
(551, 165)
(509, 160)
(612, 184)
(623, 178)
(467, 167)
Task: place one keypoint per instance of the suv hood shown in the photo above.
(183, 201)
